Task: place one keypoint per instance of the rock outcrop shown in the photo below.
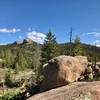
(74, 91)
(61, 71)
(27, 41)
(92, 72)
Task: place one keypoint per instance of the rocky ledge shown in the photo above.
(73, 91)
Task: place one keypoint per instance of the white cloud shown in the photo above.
(36, 36)
(96, 34)
(97, 43)
(13, 30)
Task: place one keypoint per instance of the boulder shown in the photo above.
(97, 69)
(74, 91)
(62, 70)
(90, 76)
(89, 70)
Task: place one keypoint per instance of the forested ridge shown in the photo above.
(20, 56)
(88, 50)
(24, 55)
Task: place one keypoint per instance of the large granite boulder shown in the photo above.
(61, 71)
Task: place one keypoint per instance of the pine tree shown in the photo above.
(77, 50)
(49, 49)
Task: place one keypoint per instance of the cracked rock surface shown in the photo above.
(74, 91)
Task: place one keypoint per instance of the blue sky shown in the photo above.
(33, 18)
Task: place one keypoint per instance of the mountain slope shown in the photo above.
(89, 50)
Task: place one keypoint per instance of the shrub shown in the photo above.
(11, 96)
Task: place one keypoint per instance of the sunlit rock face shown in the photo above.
(62, 70)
